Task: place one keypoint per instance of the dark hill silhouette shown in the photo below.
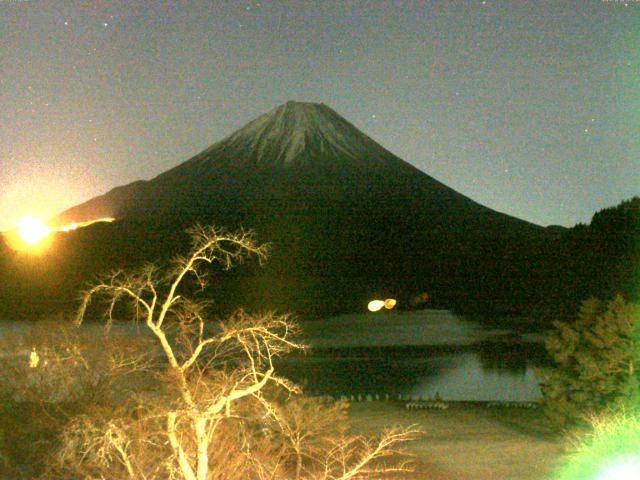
(604, 256)
(347, 219)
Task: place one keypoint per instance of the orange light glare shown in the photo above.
(76, 225)
(33, 236)
(389, 303)
(32, 230)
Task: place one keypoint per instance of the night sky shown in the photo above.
(528, 107)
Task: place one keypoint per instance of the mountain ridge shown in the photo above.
(296, 138)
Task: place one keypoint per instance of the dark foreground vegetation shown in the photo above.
(543, 276)
(592, 391)
(193, 395)
(182, 398)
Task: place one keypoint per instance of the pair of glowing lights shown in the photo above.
(377, 305)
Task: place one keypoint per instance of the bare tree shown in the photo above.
(359, 457)
(316, 433)
(214, 373)
(203, 404)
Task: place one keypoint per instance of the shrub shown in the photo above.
(50, 372)
(596, 362)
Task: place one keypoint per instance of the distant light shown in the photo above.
(34, 358)
(389, 303)
(375, 305)
(32, 230)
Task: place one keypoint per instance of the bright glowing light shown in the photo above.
(628, 470)
(32, 230)
(33, 236)
(375, 305)
(68, 228)
(610, 452)
(76, 225)
(389, 303)
(34, 359)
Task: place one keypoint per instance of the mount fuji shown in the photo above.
(296, 152)
(347, 220)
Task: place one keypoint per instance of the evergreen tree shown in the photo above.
(596, 362)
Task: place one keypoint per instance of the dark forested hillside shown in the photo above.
(600, 259)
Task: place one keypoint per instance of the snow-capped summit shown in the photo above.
(296, 132)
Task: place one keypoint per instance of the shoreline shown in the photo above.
(468, 441)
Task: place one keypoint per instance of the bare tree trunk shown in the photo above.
(258, 339)
(183, 462)
(203, 444)
(298, 464)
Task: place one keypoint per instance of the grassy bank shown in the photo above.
(470, 441)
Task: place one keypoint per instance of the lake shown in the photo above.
(429, 353)
(424, 354)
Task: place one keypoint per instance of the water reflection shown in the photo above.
(465, 378)
(423, 354)
(390, 329)
(477, 373)
(351, 375)
(512, 357)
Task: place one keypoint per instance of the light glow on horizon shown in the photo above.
(75, 225)
(32, 230)
(33, 235)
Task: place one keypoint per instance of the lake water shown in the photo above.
(424, 354)
(417, 354)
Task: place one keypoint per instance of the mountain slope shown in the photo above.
(303, 147)
(347, 219)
